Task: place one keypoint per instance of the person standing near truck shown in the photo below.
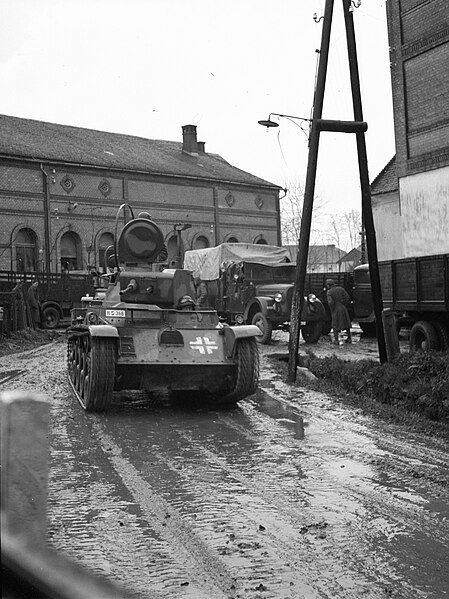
(34, 302)
(338, 300)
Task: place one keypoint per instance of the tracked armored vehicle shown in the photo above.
(144, 331)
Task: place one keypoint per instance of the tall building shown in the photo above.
(411, 194)
(61, 186)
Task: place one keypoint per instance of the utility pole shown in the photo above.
(367, 211)
(317, 125)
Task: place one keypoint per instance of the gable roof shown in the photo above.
(353, 255)
(50, 142)
(387, 180)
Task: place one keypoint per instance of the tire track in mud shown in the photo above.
(255, 567)
(192, 491)
(190, 550)
(403, 499)
(206, 476)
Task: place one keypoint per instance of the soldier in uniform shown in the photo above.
(338, 300)
(34, 302)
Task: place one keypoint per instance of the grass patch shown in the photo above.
(412, 383)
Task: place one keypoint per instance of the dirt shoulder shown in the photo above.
(28, 339)
(411, 392)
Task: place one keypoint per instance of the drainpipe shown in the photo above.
(47, 224)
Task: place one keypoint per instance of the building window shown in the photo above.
(200, 242)
(260, 240)
(232, 239)
(71, 257)
(26, 250)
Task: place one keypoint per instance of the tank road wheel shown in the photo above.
(424, 337)
(247, 377)
(266, 327)
(71, 359)
(98, 374)
(311, 331)
(76, 380)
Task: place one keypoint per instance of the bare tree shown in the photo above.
(291, 214)
(344, 229)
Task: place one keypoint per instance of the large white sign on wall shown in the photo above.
(424, 200)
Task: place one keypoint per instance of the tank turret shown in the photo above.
(139, 248)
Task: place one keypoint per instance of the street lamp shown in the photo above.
(269, 123)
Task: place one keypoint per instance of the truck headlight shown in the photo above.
(278, 297)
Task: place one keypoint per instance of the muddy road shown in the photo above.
(288, 495)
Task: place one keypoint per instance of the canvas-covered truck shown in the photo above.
(253, 284)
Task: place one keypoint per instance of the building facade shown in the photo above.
(411, 194)
(61, 187)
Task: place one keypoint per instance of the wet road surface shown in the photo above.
(289, 494)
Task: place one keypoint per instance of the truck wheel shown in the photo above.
(247, 377)
(368, 328)
(97, 374)
(50, 317)
(423, 337)
(266, 327)
(443, 334)
(312, 331)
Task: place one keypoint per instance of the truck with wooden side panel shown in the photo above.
(412, 230)
(59, 292)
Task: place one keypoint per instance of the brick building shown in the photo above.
(416, 181)
(61, 186)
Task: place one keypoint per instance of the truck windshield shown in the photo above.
(262, 272)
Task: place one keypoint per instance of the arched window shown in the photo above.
(26, 250)
(232, 239)
(71, 258)
(200, 242)
(260, 240)
(106, 240)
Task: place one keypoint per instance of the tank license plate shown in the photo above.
(116, 313)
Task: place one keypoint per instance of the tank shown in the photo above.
(144, 331)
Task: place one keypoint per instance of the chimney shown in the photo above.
(189, 142)
(201, 147)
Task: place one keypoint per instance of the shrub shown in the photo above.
(416, 382)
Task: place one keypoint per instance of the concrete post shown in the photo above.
(391, 334)
(24, 458)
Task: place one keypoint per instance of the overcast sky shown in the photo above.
(147, 67)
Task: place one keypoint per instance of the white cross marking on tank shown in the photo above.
(204, 345)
